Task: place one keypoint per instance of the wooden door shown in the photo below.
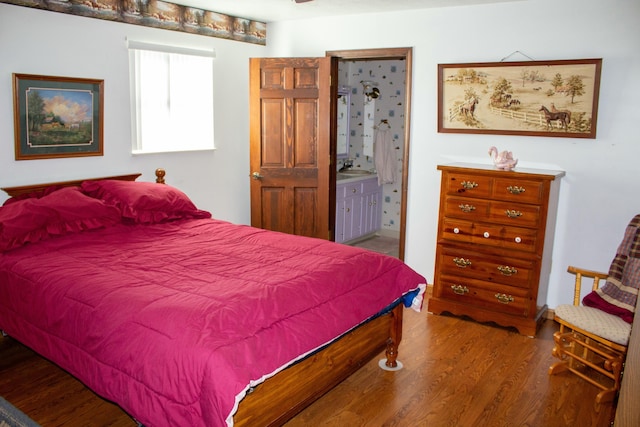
(290, 135)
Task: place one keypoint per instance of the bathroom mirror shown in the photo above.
(344, 104)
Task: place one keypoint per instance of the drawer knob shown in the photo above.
(518, 239)
(467, 208)
(513, 213)
(459, 289)
(353, 190)
(513, 189)
(461, 262)
(469, 185)
(504, 298)
(505, 270)
(486, 234)
(456, 230)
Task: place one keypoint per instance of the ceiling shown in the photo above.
(285, 10)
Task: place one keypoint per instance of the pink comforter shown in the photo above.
(175, 321)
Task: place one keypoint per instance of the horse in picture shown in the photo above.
(563, 117)
(469, 107)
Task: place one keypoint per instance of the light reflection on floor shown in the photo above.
(383, 244)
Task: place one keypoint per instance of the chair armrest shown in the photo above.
(582, 272)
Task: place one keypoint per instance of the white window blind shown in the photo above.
(171, 98)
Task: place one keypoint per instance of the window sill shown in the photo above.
(142, 152)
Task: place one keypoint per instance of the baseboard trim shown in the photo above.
(388, 233)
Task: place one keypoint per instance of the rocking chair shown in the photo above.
(593, 338)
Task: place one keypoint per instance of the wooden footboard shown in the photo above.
(281, 397)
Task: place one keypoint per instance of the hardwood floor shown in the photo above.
(461, 373)
(456, 373)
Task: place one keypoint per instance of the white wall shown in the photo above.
(599, 194)
(55, 44)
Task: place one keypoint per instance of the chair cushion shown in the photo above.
(619, 294)
(595, 321)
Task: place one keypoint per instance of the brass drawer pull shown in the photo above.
(515, 190)
(503, 298)
(469, 185)
(513, 213)
(467, 208)
(461, 262)
(505, 270)
(459, 289)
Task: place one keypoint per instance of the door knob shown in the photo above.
(256, 175)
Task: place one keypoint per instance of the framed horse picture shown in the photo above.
(534, 98)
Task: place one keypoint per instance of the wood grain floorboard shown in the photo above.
(456, 373)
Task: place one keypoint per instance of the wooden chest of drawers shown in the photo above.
(495, 236)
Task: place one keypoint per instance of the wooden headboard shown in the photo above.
(26, 189)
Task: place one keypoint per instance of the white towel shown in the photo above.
(367, 127)
(385, 157)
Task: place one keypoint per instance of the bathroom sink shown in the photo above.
(355, 172)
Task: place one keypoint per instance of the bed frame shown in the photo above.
(284, 395)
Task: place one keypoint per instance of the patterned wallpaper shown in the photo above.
(390, 76)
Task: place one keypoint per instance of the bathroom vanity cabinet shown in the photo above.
(495, 236)
(358, 208)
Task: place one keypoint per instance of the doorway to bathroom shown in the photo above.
(379, 82)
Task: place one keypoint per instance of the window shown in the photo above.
(171, 98)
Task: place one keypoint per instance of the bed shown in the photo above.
(184, 319)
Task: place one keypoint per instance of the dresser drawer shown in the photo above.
(468, 185)
(515, 214)
(492, 268)
(466, 208)
(523, 239)
(456, 230)
(520, 190)
(496, 235)
(502, 298)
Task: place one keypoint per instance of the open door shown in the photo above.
(290, 145)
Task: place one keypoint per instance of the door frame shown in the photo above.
(405, 53)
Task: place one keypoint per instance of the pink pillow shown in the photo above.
(144, 202)
(592, 299)
(64, 211)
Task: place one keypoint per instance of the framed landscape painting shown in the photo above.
(57, 116)
(535, 98)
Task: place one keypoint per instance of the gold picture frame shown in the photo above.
(57, 116)
(510, 98)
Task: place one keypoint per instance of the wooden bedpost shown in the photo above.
(395, 336)
(160, 175)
